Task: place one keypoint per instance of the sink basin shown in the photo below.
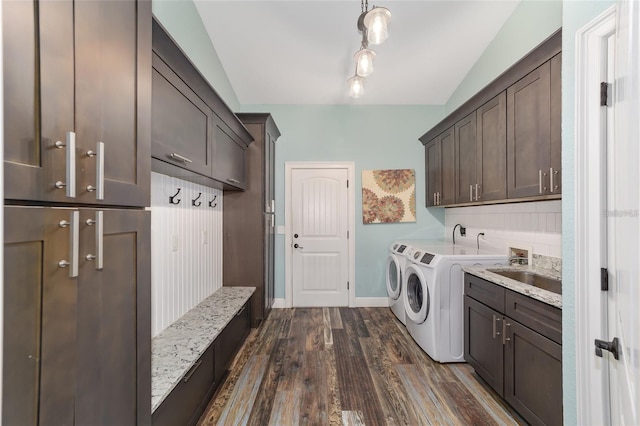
(533, 279)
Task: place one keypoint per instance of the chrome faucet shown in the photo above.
(520, 260)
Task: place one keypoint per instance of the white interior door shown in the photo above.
(623, 223)
(319, 236)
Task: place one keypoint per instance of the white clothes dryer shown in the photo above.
(433, 296)
(396, 264)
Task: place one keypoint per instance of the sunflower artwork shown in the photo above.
(388, 196)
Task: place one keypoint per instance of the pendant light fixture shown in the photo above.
(373, 25)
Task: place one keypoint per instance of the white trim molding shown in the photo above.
(372, 302)
(592, 385)
(279, 303)
(350, 166)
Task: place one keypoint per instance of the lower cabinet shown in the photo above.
(522, 363)
(188, 400)
(77, 282)
(190, 397)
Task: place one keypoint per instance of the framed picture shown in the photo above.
(388, 196)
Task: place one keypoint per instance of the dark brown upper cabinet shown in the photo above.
(507, 139)
(195, 135)
(77, 101)
(465, 159)
(440, 160)
(491, 159)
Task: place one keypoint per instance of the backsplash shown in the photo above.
(536, 226)
(186, 248)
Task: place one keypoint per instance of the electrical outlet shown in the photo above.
(174, 243)
(463, 231)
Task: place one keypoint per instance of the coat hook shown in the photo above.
(172, 198)
(193, 202)
(211, 204)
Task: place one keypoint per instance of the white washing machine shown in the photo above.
(433, 296)
(396, 264)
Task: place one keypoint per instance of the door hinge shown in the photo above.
(347, 235)
(604, 93)
(604, 279)
(347, 285)
(347, 183)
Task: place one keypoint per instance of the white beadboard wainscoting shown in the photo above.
(186, 248)
(536, 226)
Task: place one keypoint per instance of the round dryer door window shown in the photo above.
(394, 277)
(416, 295)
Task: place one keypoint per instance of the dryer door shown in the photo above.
(394, 276)
(416, 295)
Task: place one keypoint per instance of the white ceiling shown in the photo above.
(301, 52)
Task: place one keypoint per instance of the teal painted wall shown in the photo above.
(373, 137)
(529, 25)
(574, 16)
(181, 19)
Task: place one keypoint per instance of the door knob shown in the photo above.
(611, 346)
(297, 246)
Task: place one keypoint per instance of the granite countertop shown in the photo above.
(178, 347)
(542, 295)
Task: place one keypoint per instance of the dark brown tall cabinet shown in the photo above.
(77, 94)
(440, 161)
(249, 219)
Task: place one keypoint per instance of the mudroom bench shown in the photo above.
(191, 356)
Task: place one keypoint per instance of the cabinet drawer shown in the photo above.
(228, 156)
(484, 291)
(186, 400)
(540, 317)
(231, 338)
(181, 122)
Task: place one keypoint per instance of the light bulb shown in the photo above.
(356, 86)
(364, 62)
(376, 21)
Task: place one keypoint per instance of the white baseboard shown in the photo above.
(372, 302)
(279, 303)
(361, 302)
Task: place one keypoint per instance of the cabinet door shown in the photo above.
(228, 156)
(182, 123)
(491, 157)
(113, 100)
(37, 114)
(483, 348)
(555, 180)
(465, 157)
(114, 319)
(528, 134)
(447, 165)
(39, 355)
(432, 162)
(533, 375)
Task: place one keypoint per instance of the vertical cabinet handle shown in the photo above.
(70, 183)
(540, 181)
(505, 339)
(477, 196)
(470, 192)
(99, 154)
(495, 329)
(552, 185)
(74, 242)
(99, 224)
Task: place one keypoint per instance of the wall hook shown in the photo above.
(211, 203)
(199, 203)
(172, 199)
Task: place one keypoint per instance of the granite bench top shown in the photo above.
(542, 295)
(176, 349)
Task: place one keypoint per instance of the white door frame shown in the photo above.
(288, 249)
(592, 384)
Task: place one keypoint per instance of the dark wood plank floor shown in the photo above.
(341, 366)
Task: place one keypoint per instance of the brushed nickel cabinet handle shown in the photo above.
(70, 183)
(495, 330)
(505, 339)
(177, 156)
(99, 224)
(192, 371)
(74, 242)
(540, 181)
(470, 192)
(552, 185)
(477, 195)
